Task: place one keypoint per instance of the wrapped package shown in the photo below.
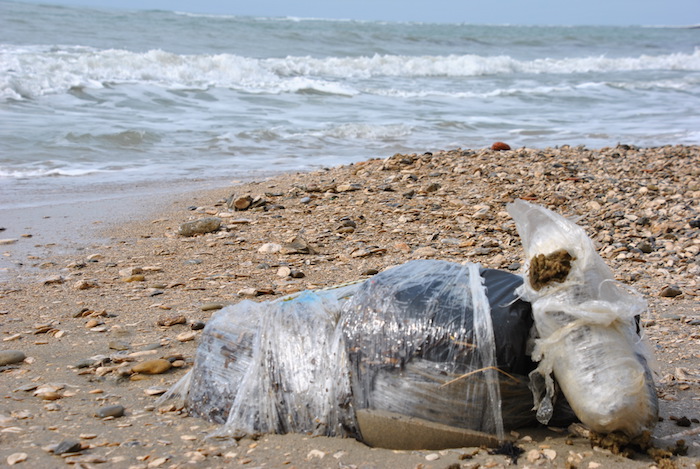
(417, 340)
(588, 342)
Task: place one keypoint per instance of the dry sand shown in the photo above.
(68, 309)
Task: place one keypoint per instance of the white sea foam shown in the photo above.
(37, 71)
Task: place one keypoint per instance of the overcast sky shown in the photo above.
(540, 12)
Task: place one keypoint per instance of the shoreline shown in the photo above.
(446, 205)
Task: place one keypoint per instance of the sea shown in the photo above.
(96, 100)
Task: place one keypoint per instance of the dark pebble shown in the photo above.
(197, 325)
(694, 322)
(85, 363)
(68, 446)
(514, 266)
(683, 422)
(645, 247)
(115, 411)
(695, 223)
(370, 272)
(670, 292)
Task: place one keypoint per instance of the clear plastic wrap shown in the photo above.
(273, 367)
(416, 340)
(587, 342)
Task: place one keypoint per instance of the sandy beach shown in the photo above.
(86, 302)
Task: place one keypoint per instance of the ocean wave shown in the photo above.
(34, 173)
(31, 71)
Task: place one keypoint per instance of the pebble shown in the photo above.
(114, 411)
(211, 306)
(670, 291)
(201, 226)
(186, 336)
(119, 345)
(10, 357)
(500, 146)
(68, 446)
(152, 367)
(197, 325)
(134, 278)
(168, 321)
(85, 284)
(270, 248)
(54, 280)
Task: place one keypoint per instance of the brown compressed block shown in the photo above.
(383, 429)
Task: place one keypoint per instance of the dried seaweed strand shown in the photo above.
(466, 375)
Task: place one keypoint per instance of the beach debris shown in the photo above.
(201, 226)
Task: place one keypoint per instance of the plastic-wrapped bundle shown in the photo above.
(587, 329)
(421, 342)
(417, 340)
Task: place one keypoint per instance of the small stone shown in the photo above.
(432, 457)
(114, 411)
(305, 200)
(134, 278)
(10, 357)
(197, 325)
(119, 345)
(48, 395)
(500, 146)
(129, 271)
(85, 284)
(533, 455)
(270, 248)
(68, 446)
(168, 321)
(241, 203)
(297, 245)
(314, 453)
(284, 271)
(8, 241)
(211, 306)
(670, 291)
(186, 336)
(426, 251)
(155, 391)
(54, 280)
(152, 367)
(201, 226)
(348, 187)
(683, 422)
